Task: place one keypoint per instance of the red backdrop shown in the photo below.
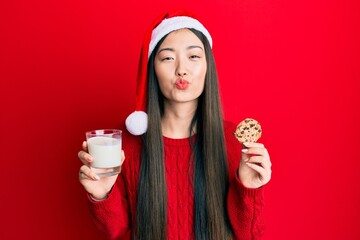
(70, 66)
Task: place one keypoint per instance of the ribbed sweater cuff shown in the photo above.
(245, 191)
(108, 203)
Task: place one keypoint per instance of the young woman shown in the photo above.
(186, 176)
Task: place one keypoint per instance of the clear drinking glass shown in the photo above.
(105, 147)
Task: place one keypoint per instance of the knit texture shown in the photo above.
(115, 215)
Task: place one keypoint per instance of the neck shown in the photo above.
(177, 119)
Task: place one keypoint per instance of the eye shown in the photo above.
(194, 56)
(167, 59)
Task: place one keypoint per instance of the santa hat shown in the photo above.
(137, 122)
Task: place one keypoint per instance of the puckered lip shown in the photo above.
(181, 84)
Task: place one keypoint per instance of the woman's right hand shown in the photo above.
(97, 187)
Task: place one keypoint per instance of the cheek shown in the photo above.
(162, 77)
(201, 68)
(200, 74)
(158, 71)
(162, 72)
(163, 87)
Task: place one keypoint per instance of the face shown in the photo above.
(180, 66)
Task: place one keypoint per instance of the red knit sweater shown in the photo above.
(115, 214)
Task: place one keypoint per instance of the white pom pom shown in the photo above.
(137, 122)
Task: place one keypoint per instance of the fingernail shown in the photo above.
(90, 158)
(247, 159)
(244, 150)
(97, 177)
(246, 144)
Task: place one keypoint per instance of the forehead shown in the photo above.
(181, 37)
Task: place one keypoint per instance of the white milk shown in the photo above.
(106, 152)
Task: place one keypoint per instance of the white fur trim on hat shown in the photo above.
(175, 23)
(137, 123)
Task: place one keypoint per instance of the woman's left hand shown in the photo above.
(255, 165)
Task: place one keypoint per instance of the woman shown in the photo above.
(187, 176)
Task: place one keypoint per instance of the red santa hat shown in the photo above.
(137, 122)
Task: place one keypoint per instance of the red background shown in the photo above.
(70, 66)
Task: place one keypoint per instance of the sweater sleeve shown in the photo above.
(112, 215)
(244, 205)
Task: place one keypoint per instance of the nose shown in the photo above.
(181, 74)
(181, 68)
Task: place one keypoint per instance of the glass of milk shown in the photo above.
(105, 147)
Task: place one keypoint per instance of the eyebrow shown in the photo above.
(172, 50)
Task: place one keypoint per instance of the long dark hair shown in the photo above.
(209, 156)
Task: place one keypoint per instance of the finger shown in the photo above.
(256, 149)
(265, 174)
(256, 159)
(257, 168)
(259, 160)
(85, 146)
(253, 144)
(122, 157)
(85, 157)
(260, 151)
(245, 157)
(86, 173)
